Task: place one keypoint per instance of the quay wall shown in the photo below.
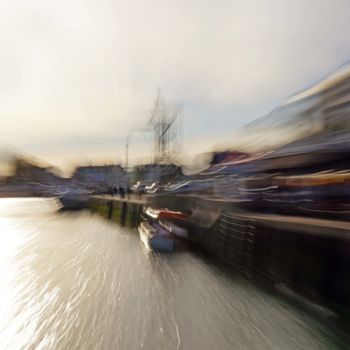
(125, 213)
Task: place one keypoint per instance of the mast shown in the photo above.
(166, 123)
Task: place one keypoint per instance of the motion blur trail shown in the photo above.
(74, 281)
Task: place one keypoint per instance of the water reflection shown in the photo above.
(78, 282)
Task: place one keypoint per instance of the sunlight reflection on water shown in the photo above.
(75, 281)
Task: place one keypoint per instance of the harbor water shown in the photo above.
(77, 281)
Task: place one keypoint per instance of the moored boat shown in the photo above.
(174, 229)
(73, 198)
(166, 214)
(155, 237)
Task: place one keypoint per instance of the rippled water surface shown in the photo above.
(75, 281)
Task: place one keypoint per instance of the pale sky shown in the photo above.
(76, 76)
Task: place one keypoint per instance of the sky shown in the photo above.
(77, 76)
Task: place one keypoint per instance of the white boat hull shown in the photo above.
(175, 230)
(154, 241)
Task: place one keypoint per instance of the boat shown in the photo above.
(73, 198)
(166, 214)
(156, 238)
(174, 229)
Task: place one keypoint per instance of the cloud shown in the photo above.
(89, 69)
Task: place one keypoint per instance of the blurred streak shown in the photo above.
(77, 282)
(295, 161)
(322, 108)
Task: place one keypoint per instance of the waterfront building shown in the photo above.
(100, 176)
(162, 173)
(26, 172)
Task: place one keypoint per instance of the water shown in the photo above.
(76, 281)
